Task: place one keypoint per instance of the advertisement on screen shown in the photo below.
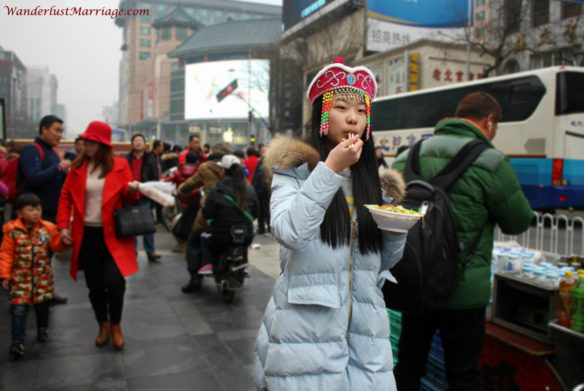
(227, 89)
(395, 23)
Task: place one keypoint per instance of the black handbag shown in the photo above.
(134, 220)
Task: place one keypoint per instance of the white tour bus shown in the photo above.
(542, 129)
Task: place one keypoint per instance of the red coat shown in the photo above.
(251, 162)
(73, 200)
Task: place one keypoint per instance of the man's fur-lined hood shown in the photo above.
(288, 153)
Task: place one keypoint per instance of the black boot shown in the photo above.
(58, 300)
(193, 285)
(17, 350)
(42, 334)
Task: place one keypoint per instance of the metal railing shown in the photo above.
(551, 234)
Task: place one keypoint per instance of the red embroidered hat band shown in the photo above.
(340, 79)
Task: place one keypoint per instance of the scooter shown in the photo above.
(229, 266)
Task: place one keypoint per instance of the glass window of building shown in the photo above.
(144, 43)
(570, 9)
(512, 15)
(218, 16)
(245, 16)
(160, 10)
(181, 33)
(480, 2)
(145, 18)
(144, 55)
(541, 12)
(165, 34)
(232, 16)
(146, 6)
(145, 30)
(479, 33)
(204, 16)
(480, 16)
(191, 12)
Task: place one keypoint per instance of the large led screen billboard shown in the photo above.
(227, 89)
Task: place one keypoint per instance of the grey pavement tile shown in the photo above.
(106, 384)
(242, 349)
(203, 379)
(76, 370)
(228, 368)
(187, 304)
(144, 309)
(172, 290)
(196, 325)
(165, 357)
(237, 334)
(18, 375)
(152, 329)
(142, 290)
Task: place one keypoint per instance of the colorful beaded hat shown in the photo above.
(358, 82)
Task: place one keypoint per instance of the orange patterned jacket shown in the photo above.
(25, 260)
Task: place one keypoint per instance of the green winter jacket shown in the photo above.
(486, 194)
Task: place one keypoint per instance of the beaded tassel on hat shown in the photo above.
(327, 101)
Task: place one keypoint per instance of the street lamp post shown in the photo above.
(469, 37)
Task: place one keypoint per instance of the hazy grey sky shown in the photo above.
(83, 52)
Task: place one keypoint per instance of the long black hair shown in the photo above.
(235, 178)
(335, 229)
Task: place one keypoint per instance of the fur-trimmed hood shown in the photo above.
(287, 153)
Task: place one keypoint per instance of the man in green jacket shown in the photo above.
(486, 194)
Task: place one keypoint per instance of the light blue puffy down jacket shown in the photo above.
(325, 326)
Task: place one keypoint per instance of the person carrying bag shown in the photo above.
(98, 184)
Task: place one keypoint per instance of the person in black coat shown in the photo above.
(144, 168)
(231, 202)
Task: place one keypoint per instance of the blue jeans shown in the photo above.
(148, 240)
(18, 317)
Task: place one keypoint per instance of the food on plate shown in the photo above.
(397, 209)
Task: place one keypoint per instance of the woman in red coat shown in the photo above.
(94, 188)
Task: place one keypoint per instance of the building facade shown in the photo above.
(222, 83)
(145, 69)
(523, 35)
(41, 93)
(14, 92)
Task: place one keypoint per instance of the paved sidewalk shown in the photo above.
(174, 341)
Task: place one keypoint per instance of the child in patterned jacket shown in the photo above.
(25, 267)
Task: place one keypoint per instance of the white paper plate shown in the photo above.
(392, 221)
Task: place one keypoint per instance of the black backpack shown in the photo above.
(428, 272)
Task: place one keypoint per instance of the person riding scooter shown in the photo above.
(230, 208)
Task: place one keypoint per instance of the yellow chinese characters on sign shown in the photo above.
(413, 72)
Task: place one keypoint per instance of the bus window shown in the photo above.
(569, 93)
(518, 99)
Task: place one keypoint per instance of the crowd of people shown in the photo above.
(69, 202)
(325, 326)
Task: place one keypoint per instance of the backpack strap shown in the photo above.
(412, 168)
(459, 163)
(41, 152)
(23, 181)
(245, 212)
(453, 170)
